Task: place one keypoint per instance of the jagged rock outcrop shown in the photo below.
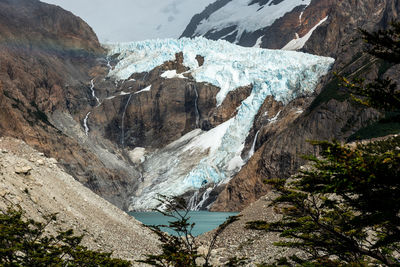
(330, 115)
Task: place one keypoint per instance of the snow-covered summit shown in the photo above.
(247, 16)
(282, 74)
(240, 21)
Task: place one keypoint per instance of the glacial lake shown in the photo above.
(205, 221)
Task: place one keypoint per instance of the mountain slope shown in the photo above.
(40, 187)
(260, 23)
(47, 59)
(127, 134)
(329, 114)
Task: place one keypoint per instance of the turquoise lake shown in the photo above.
(205, 221)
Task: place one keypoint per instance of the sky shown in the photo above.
(134, 20)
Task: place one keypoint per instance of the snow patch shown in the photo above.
(275, 118)
(258, 42)
(299, 111)
(170, 74)
(137, 155)
(147, 89)
(298, 43)
(209, 140)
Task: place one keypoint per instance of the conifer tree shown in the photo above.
(345, 209)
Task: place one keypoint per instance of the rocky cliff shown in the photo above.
(47, 58)
(329, 114)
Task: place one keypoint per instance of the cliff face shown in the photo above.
(42, 49)
(47, 57)
(45, 26)
(330, 114)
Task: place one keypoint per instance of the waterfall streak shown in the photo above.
(85, 124)
(253, 147)
(193, 201)
(196, 107)
(108, 63)
(93, 93)
(206, 195)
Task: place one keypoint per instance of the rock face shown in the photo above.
(158, 116)
(169, 108)
(47, 58)
(328, 115)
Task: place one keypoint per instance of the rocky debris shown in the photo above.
(238, 241)
(50, 190)
(25, 170)
(137, 155)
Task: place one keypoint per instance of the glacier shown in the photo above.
(215, 155)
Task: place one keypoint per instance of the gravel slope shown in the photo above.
(40, 187)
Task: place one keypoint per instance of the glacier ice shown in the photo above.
(282, 74)
(226, 65)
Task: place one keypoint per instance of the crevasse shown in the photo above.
(282, 74)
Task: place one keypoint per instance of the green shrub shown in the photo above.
(25, 242)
